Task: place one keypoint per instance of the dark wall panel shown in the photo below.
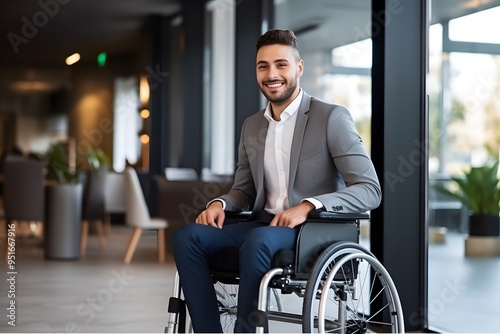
(399, 123)
(250, 16)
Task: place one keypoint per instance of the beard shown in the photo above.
(282, 97)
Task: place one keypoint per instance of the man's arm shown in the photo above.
(362, 191)
(293, 216)
(213, 215)
(242, 195)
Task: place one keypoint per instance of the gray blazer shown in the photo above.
(327, 162)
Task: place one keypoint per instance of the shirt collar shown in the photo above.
(288, 112)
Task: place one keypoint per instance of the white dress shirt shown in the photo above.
(277, 157)
(277, 153)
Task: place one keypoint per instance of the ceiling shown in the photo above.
(42, 36)
(62, 27)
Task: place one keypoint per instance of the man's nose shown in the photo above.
(273, 72)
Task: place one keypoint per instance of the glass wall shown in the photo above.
(464, 124)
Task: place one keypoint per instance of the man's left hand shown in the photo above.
(293, 216)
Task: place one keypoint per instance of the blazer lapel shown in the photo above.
(298, 135)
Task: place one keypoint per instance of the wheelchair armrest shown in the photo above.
(320, 230)
(235, 217)
(328, 216)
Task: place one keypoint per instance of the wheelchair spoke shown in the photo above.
(226, 298)
(357, 298)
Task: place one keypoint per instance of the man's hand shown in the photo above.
(293, 216)
(213, 215)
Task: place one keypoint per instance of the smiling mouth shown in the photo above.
(274, 85)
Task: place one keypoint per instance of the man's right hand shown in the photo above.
(213, 215)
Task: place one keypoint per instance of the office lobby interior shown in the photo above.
(162, 87)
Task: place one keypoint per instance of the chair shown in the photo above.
(344, 287)
(137, 216)
(93, 206)
(24, 192)
(180, 174)
(114, 197)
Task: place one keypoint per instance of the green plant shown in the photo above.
(58, 164)
(478, 189)
(96, 158)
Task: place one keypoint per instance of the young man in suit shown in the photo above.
(297, 155)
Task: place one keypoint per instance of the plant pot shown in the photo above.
(63, 219)
(484, 226)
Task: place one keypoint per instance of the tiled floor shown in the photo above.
(464, 292)
(99, 293)
(95, 294)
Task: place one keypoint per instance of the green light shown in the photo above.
(101, 59)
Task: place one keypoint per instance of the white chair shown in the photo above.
(180, 174)
(114, 198)
(137, 216)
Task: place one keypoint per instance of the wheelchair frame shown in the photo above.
(325, 271)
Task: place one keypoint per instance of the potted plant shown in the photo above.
(63, 206)
(479, 190)
(96, 159)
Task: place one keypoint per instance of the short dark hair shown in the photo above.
(278, 36)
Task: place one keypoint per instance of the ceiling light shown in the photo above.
(73, 59)
(145, 113)
(144, 92)
(28, 86)
(144, 138)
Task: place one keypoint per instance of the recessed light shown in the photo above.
(73, 59)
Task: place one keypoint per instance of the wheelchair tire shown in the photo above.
(349, 291)
(227, 298)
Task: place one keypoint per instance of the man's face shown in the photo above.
(278, 72)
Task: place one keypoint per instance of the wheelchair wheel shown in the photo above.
(349, 291)
(227, 298)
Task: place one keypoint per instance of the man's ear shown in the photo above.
(300, 68)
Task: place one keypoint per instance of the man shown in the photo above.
(297, 155)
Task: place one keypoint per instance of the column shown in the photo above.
(399, 149)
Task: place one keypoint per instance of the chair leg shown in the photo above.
(134, 239)
(161, 245)
(100, 232)
(36, 228)
(83, 237)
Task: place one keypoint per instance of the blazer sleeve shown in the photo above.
(362, 190)
(242, 195)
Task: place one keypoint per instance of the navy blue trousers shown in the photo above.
(195, 244)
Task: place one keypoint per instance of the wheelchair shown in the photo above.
(344, 288)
